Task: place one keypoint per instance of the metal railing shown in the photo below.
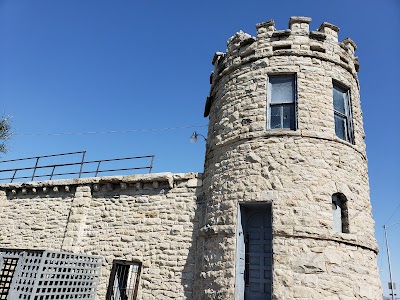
(51, 170)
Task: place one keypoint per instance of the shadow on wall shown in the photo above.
(151, 224)
(194, 259)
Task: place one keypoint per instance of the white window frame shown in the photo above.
(348, 115)
(269, 100)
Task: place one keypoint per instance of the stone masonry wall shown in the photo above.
(148, 218)
(297, 171)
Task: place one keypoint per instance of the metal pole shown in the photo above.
(388, 255)
(97, 170)
(151, 163)
(82, 162)
(52, 172)
(15, 172)
(34, 170)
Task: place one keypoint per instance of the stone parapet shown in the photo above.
(298, 40)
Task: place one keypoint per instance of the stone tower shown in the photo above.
(287, 208)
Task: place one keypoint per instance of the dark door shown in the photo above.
(257, 228)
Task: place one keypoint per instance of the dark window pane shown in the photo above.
(340, 127)
(339, 99)
(276, 116)
(288, 116)
(282, 89)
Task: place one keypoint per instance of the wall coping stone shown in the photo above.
(299, 19)
(328, 25)
(265, 24)
(140, 178)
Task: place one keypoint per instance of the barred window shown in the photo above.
(124, 280)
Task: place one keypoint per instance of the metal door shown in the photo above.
(257, 228)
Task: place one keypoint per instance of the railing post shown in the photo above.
(52, 172)
(34, 169)
(15, 172)
(82, 162)
(98, 167)
(151, 163)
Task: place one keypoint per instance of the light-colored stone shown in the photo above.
(297, 171)
(158, 232)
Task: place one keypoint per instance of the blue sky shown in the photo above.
(93, 66)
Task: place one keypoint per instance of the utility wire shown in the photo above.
(109, 131)
(392, 214)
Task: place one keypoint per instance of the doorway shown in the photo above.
(254, 252)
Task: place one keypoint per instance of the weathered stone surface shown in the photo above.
(297, 171)
(159, 231)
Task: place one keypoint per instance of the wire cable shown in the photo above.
(109, 131)
(392, 214)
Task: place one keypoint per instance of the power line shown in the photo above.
(393, 214)
(109, 131)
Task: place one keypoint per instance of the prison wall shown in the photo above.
(296, 171)
(150, 219)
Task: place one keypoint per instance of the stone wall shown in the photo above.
(148, 218)
(297, 171)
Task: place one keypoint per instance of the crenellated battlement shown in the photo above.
(300, 25)
(297, 40)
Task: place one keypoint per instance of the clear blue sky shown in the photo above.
(76, 66)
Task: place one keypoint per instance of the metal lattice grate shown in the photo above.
(42, 275)
(8, 265)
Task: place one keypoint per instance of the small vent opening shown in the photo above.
(281, 47)
(344, 60)
(317, 48)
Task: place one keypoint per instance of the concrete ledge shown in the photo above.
(227, 230)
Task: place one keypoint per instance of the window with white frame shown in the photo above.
(340, 213)
(342, 112)
(281, 112)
